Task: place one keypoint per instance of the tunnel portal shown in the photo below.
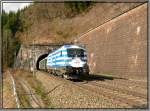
(39, 59)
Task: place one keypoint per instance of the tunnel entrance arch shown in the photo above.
(39, 59)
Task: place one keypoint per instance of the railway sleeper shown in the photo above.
(123, 98)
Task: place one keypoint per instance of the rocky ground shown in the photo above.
(96, 91)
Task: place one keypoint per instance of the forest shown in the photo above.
(14, 23)
(11, 24)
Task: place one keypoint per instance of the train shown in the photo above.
(68, 61)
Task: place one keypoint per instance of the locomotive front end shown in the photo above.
(77, 62)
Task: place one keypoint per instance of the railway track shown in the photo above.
(136, 95)
(122, 82)
(120, 89)
(34, 99)
(119, 86)
(116, 94)
(113, 94)
(26, 94)
(104, 94)
(120, 98)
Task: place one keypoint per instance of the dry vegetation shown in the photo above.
(47, 22)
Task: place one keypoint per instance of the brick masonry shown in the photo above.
(120, 45)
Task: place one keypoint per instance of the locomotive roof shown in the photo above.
(71, 46)
(64, 47)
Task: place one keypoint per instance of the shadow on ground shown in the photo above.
(94, 77)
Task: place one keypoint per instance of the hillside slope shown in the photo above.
(46, 22)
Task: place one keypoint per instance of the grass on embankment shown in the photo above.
(39, 90)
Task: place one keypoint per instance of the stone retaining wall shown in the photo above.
(120, 45)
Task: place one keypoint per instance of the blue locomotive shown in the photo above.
(69, 61)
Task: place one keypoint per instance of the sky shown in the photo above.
(14, 6)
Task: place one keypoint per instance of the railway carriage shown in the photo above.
(69, 61)
(43, 64)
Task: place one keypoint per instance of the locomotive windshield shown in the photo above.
(72, 52)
